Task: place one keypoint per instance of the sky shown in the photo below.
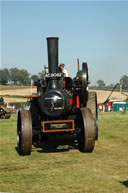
(96, 32)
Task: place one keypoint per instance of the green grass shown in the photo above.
(103, 171)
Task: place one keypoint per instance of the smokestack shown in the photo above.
(52, 45)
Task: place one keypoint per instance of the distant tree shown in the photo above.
(34, 77)
(111, 85)
(124, 81)
(100, 83)
(42, 74)
(23, 77)
(13, 74)
(4, 76)
(19, 76)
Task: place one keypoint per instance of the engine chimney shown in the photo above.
(52, 45)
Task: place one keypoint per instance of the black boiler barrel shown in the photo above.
(52, 45)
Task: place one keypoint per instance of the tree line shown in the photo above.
(23, 77)
(123, 82)
(18, 76)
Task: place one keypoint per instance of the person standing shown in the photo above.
(65, 72)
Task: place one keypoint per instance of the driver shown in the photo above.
(65, 72)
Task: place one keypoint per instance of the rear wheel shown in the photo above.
(24, 132)
(86, 134)
(92, 105)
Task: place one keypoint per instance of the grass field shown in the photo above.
(103, 171)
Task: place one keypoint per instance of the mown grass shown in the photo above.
(103, 171)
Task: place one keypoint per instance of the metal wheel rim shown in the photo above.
(92, 105)
(24, 132)
(86, 137)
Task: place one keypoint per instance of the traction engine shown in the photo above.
(62, 105)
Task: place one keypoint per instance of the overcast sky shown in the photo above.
(96, 32)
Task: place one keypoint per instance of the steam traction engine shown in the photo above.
(5, 112)
(62, 105)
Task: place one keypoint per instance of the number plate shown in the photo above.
(58, 126)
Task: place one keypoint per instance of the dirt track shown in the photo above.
(21, 91)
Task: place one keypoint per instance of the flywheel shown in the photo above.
(84, 82)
